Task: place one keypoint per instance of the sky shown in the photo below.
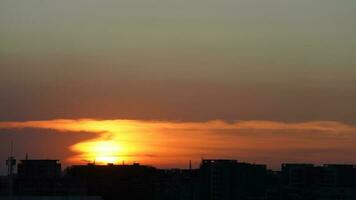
(180, 62)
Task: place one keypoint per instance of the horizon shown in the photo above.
(112, 141)
(188, 167)
(163, 82)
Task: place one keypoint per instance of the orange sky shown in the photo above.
(279, 75)
(168, 144)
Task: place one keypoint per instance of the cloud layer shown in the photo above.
(164, 143)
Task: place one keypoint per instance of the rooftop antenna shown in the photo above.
(12, 148)
(11, 162)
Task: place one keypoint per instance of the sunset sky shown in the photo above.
(163, 82)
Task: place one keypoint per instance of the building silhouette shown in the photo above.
(177, 184)
(116, 181)
(301, 175)
(4, 186)
(215, 179)
(230, 179)
(307, 181)
(36, 177)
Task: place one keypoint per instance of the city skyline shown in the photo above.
(164, 82)
(161, 144)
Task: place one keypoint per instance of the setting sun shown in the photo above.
(167, 144)
(101, 152)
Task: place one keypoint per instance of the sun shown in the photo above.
(100, 152)
(106, 159)
(106, 152)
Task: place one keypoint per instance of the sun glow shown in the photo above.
(101, 152)
(173, 143)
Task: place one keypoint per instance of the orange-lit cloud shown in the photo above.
(169, 143)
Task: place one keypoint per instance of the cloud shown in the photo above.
(172, 142)
(93, 125)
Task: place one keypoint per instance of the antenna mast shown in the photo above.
(11, 162)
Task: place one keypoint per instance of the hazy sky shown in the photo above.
(170, 60)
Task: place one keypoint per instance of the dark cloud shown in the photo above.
(170, 100)
(38, 144)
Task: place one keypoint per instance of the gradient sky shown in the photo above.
(285, 61)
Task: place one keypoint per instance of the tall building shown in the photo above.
(229, 179)
(44, 169)
(327, 182)
(339, 175)
(36, 177)
(4, 185)
(301, 175)
(116, 181)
